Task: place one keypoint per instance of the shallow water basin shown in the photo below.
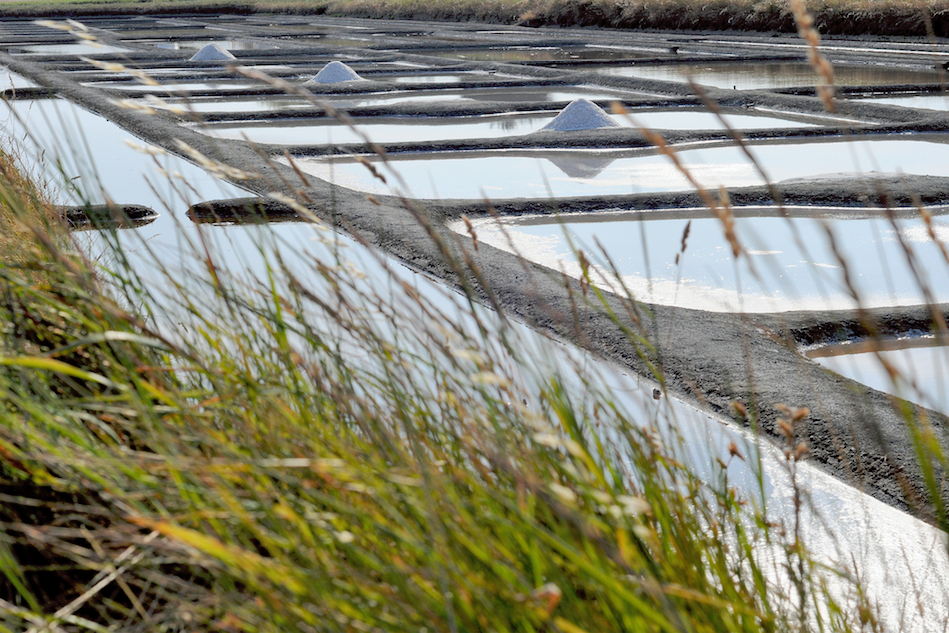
(163, 32)
(109, 167)
(547, 94)
(10, 79)
(786, 263)
(228, 45)
(924, 102)
(421, 129)
(91, 48)
(286, 102)
(177, 86)
(243, 104)
(503, 94)
(921, 362)
(543, 174)
(432, 78)
(405, 129)
(748, 76)
(343, 42)
(529, 54)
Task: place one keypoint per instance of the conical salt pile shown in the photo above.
(581, 114)
(211, 53)
(335, 72)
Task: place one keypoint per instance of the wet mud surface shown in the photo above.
(710, 359)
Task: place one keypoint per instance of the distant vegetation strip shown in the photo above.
(832, 17)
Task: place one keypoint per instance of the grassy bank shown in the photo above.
(834, 17)
(300, 454)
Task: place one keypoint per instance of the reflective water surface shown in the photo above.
(175, 86)
(68, 49)
(280, 102)
(922, 365)
(239, 104)
(544, 174)
(408, 129)
(10, 79)
(343, 42)
(109, 168)
(786, 264)
(167, 33)
(746, 76)
(430, 78)
(526, 54)
(549, 94)
(926, 102)
(228, 45)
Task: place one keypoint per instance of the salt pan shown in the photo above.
(335, 72)
(581, 114)
(212, 52)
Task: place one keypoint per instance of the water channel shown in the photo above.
(405, 129)
(744, 76)
(787, 264)
(564, 94)
(922, 365)
(559, 174)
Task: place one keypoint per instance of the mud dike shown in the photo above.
(465, 114)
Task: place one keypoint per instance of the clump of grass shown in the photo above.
(310, 451)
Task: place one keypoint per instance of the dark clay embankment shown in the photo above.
(849, 18)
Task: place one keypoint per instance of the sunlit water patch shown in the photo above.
(420, 129)
(164, 33)
(748, 75)
(261, 103)
(178, 86)
(439, 78)
(545, 174)
(381, 131)
(342, 42)
(538, 54)
(91, 48)
(786, 264)
(10, 79)
(395, 97)
(550, 94)
(94, 155)
(925, 102)
(922, 367)
(229, 45)
(547, 94)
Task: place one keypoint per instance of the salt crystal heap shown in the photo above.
(335, 72)
(581, 114)
(212, 53)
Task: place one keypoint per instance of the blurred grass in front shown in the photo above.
(287, 457)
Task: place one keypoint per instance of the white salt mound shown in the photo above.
(335, 72)
(212, 52)
(581, 114)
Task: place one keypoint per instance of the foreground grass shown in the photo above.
(294, 454)
(832, 17)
